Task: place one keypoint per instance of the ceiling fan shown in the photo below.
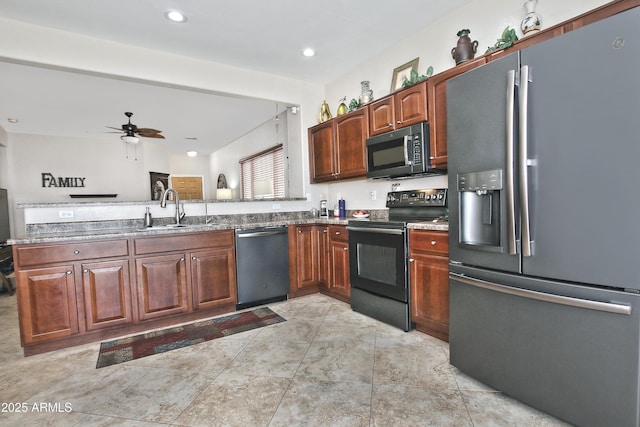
(132, 132)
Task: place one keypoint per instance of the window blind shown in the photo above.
(263, 174)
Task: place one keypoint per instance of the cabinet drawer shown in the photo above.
(64, 252)
(182, 242)
(429, 241)
(338, 233)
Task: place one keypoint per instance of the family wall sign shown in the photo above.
(49, 180)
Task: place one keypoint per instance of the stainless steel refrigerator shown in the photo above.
(544, 150)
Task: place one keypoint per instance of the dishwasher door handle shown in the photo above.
(261, 233)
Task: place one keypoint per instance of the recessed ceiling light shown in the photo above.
(12, 120)
(192, 153)
(308, 52)
(175, 16)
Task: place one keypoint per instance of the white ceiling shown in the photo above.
(265, 36)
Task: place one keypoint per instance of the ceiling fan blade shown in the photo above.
(111, 127)
(149, 133)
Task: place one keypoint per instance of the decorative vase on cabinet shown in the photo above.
(531, 22)
(465, 48)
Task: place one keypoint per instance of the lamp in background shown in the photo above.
(222, 192)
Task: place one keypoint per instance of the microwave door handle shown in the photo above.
(406, 150)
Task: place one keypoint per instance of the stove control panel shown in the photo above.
(418, 198)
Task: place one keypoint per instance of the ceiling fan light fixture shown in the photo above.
(130, 139)
(175, 16)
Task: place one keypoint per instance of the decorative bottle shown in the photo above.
(366, 94)
(531, 22)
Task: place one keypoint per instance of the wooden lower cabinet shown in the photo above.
(47, 303)
(429, 281)
(338, 261)
(73, 293)
(213, 278)
(107, 294)
(305, 259)
(162, 286)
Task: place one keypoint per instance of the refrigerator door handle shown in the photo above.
(541, 296)
(522, 160)
(509, 172)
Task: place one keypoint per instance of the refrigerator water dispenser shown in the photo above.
(479, 194)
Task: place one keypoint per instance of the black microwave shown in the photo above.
(400, 153)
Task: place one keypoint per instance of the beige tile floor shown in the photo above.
(325, 366)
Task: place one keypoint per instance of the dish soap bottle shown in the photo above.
(148, 221)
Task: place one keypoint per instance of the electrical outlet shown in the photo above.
(65, 214)
(309, 198)
(276, 206)
(373, 194)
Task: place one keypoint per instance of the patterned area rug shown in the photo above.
(135, 347)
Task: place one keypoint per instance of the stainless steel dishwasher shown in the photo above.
(262, 265)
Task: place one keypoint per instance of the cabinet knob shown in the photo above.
(399, 122)
(433, 243)
(389, 124)
(182, 259)
(299, 231)
(345, 249)
(337, 233)
(412, 260)
(69, 272)
(324, 231)
(194, 258)
(76, 252)
(86, 270)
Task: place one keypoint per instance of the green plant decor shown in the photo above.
(416, 78)
(506, 39)
(354, 105)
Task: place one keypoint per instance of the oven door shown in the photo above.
(378, 261)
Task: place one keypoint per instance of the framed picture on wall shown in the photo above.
(399, 73)
(159, 183)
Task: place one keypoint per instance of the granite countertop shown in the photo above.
(108, 233)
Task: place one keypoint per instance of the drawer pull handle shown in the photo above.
(76, 252)
(433, 243)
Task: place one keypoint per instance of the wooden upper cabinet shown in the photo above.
(403, 108)
(351, 132)
(437, 112)
(322, 158)
(337, 147)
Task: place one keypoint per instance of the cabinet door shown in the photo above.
(213, 277)
(351, 131)
(381, 116)
(47, 303)
(322, 236)
(107, 294)
(411, 105)
(162, 285)
(429, 279)
(303, 252)
(322, 156)
(437, 110)
(339, 262)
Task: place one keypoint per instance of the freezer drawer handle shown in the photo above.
(541, 296)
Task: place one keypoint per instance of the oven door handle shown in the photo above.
(376, 230)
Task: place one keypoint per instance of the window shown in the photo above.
(263, 174)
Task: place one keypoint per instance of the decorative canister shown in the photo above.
(531, 22)
(465, 49)
(367, 94)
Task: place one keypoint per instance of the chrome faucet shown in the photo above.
(163, 203)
